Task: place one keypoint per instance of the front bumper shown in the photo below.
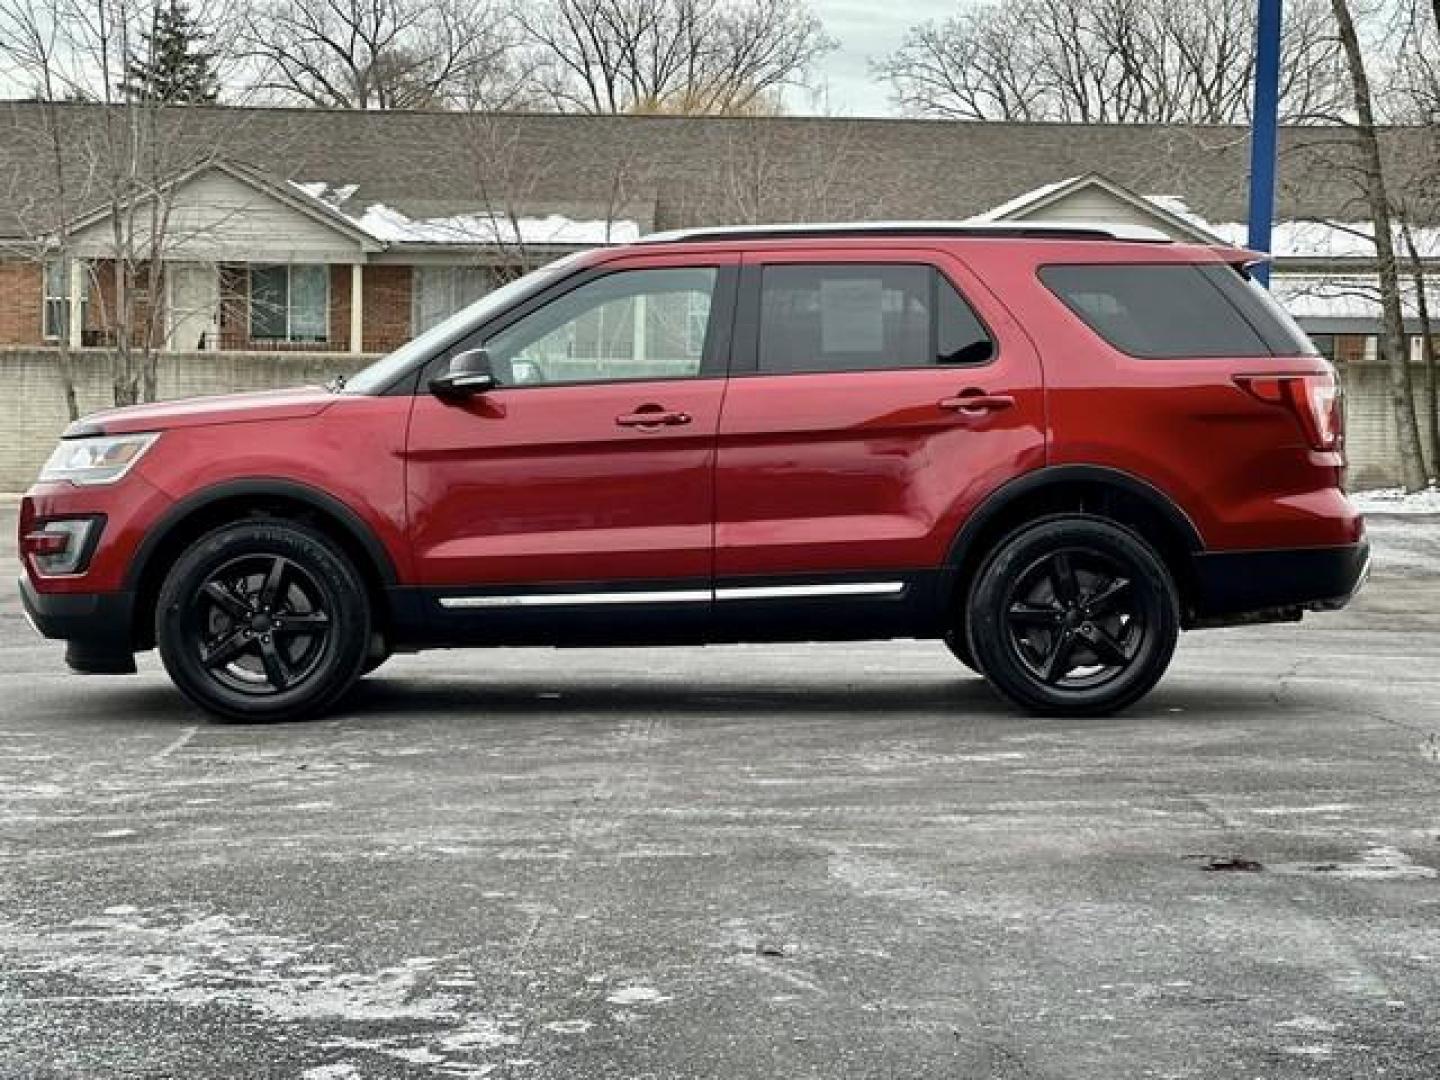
(95, 626)
(1234, 584)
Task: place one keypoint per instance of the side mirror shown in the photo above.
(469, 374)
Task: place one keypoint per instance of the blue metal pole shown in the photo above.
(1263, 130)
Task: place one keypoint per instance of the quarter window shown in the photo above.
(633, 324)
(1176, 310)
(289, 303)
(861, 317)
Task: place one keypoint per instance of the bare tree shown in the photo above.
(381, 54)
(113, 166)
(680, 56)
(1429, 404)
(1372, 172)
(1109, 61)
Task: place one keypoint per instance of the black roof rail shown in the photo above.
(998, 229)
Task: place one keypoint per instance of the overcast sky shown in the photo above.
(865, 29)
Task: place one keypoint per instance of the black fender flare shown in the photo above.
(320, 501)
(1007, 494)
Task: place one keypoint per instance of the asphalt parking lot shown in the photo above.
(821, 861)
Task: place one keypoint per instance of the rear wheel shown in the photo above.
(1073, 615)
(263, 620)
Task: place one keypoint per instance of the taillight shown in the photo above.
(1313, 399)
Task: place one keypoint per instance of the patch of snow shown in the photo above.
(569, 1027)
(480, 1033)
(341, 1071)
(1378, 863)
(1316, 1050)
(1308, 1023)
(188, 958)
(1397, 501)
(1319, 808)
(636, 995)
(493, 229)
(331, 196)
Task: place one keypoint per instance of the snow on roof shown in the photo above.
(1343, 296)
(494, 229)
(481, 228)
(1327, 239)
(1289, 239)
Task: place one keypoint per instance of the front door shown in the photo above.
(880, 400)
(194, 306)
(581, 489)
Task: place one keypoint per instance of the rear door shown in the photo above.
(873, 401)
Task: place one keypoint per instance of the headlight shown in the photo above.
(97, 459)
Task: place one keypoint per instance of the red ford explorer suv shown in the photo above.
(1053, 448)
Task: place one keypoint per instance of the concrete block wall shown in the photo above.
(1370, 435)
(32, 408)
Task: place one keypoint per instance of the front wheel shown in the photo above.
(263, 620)
(1073, 615)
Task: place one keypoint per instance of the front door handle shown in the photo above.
(652, 417)
(976, 402)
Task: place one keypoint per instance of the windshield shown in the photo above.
(379, 375)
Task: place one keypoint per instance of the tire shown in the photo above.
(958, 642)
(263, 620)
(1073, 615)
(374, 658)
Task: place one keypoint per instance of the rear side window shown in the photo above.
(1177, 310)
(863, 317)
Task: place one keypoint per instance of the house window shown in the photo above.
(57, 300)
(289, 303)
(441, 291)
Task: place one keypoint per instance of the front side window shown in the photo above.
(1176, 310)
(634, 324)
(289, 303)
(858, 317)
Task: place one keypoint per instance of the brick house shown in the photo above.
(308, 230)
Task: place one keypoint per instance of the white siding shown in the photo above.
(1092, 203)
(216, 218)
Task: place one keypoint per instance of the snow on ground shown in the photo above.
(1397, 501)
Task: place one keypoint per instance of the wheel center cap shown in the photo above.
(260, 623)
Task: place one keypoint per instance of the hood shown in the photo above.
(195, 412)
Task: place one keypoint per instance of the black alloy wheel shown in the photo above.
(263, 620)
(1073, 615)
(262, 624)
(1072, 619)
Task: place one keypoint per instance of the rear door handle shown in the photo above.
(976, 402)
(648, 418)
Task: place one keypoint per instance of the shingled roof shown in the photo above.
(687, 170)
